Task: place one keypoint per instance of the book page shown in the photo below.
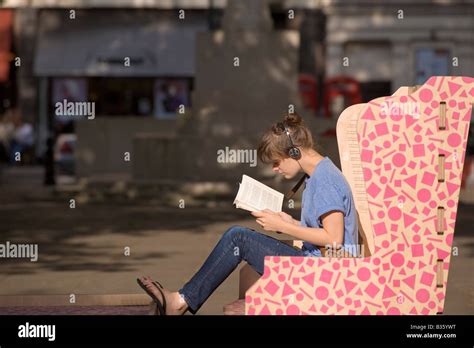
(255, 196)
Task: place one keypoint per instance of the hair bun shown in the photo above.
(293, 120)
(278, 128)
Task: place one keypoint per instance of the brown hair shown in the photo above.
(275, 144)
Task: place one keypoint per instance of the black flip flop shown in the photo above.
(161, 307)
(156, 282)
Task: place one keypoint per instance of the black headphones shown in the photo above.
(295, 154)
(293, 151)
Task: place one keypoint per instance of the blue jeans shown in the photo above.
(237, 243)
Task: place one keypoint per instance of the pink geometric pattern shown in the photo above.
(399, 156)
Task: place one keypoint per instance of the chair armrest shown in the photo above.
(248, 276)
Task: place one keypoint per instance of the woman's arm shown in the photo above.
(331, 233)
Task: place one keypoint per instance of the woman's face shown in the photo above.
(287, 167)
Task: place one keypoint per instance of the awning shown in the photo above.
(6, 20)
(125, 43)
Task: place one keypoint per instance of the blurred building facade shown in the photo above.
(137, 59)
(399, 43)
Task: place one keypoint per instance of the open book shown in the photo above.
(255, 196)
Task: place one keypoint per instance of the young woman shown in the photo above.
(328, 217)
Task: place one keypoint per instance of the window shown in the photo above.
(431, 62)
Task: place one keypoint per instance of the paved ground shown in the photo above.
(82, 250)
(79, 310)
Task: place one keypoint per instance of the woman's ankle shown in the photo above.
(179, 303)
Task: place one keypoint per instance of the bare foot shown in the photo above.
(175, 303)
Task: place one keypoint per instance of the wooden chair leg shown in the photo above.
(248, 276)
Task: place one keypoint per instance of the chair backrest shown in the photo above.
(412, 152)
(351, 166)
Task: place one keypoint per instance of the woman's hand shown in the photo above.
(287, 217)
(271, 221)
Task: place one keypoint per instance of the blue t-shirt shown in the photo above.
(327, 190)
